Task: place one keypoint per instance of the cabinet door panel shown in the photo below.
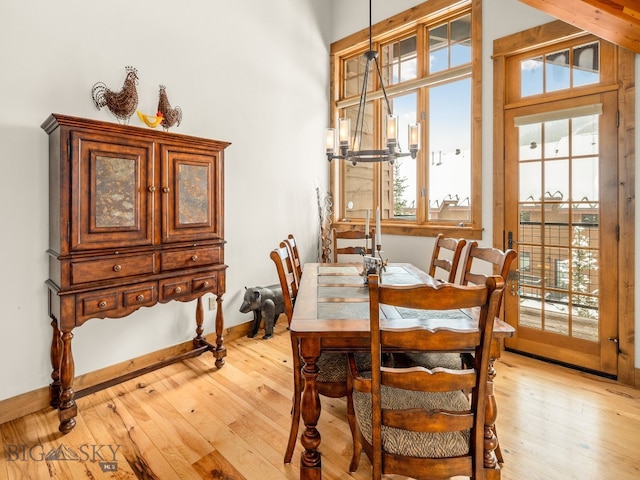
(113, 202)
(191, 195)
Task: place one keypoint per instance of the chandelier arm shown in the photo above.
(359, 127)
(384, 90)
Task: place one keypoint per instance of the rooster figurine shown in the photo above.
(123, 103)
(170, 116)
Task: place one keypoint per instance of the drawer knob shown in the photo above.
(117, 268)
(166, 189)
(102, 304)
(178, 289)
(194, 258)
(152, 189)
(140, 297)
(206, 284)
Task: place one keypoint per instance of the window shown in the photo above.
(400, 61)
(560, 70)
(430, 66)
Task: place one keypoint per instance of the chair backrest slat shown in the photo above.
(443, 380)
(351, 248)
(424, 421)
(286, 276)
(495, 258)
(452, 247)
(292, 245)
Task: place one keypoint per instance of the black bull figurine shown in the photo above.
(267, 304)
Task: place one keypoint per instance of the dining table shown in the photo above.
(331, 314)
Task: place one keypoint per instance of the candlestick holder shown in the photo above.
(373, 265)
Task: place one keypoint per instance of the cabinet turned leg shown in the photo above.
(56, 357)
(220, 351)
(198, 340)
(67, 409)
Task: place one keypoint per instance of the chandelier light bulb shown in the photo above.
(392, 129)
(344, 130)
(330, 141)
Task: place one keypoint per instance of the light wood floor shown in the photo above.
(192, 421)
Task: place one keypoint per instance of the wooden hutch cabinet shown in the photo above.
(136, 218)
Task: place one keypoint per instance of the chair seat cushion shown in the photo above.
(415, 444)
(432, 360)
(332, 367)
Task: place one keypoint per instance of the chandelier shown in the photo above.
(349, 146)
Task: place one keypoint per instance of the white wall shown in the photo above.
(250, 72)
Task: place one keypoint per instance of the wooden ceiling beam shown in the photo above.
(615, 21)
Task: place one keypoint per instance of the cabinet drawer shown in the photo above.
(205, 283)
(139, 296)
(112, 267)
(98, 304)
(175, 288)
(115, 302)
(192, 257)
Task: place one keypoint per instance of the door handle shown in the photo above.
(513, 282)
(617, 342)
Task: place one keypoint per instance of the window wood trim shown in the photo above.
(393, 25)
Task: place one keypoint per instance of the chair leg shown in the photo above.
(357, 453)
(355, 434)
(297, 399)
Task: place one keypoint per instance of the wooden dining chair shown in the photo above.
(479, 262)
(292, 246)
(332, 367)
(416, 421)
(446, 257)
(351, 242)
(286, 276)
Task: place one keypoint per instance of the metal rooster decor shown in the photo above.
(170, 116)
(123, 103)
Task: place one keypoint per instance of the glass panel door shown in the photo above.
(562, 220)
